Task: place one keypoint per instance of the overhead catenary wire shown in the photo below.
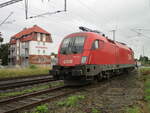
(6, 19)
(9, 3)
(51, 13)
(139, 32)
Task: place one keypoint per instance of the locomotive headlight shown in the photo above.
(83, 60)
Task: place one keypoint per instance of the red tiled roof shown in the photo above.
(35, 28)
(12, 41)
(26, 38)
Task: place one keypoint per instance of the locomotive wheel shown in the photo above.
(99, 77)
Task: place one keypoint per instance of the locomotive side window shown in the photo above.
(95, 45)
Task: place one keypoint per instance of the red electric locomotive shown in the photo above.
(89, 55)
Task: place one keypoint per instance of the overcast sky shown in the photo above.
(103, 15)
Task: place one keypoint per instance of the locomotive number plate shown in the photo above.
(67, 61)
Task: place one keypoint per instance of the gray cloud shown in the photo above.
(103, 15)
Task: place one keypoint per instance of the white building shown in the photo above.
(30, 46)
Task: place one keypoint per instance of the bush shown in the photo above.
(71, 101)
(94, 110)
(41, 109)
(33, 66)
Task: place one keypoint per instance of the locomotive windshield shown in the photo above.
(72, 45)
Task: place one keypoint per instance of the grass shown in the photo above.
(41, 109)
(146, 78)
(71, 101)
(32, 70)
(36, 88)
(134, 109)
(147, 91)
(9, 94)
(145, 71)
(94, 110)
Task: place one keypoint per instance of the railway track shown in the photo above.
(19, 103)
(22, 77)
(20, 82)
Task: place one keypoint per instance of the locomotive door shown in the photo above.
(95, 52)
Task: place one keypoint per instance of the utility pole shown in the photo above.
(140, 34)
(143, 51)
(65, 5)
(26, 9)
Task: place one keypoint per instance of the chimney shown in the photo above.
(35, 25)
(24, 28)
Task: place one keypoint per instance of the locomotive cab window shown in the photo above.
(95, 45)
(72, 45)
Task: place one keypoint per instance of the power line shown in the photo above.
(9, 3)
(51, 13)
(6, 19)
(139, 32)
(48, 13)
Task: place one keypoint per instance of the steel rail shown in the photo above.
(6, 86)
(38, 102)
(31, 105)
(29, 94)
(22, 77)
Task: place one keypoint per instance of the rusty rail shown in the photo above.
(35, 95)
(20, 83)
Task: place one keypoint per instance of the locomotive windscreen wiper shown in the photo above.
(74, 49)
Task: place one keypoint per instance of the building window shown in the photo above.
(44, 37)
(38, 36)
(41, 36)
(43, 51)
(43, 43)
(38, 52)
(38, 42)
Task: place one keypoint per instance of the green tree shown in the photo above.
(4, 51)
(144, 60)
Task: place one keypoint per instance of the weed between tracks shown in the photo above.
(134, 109)
(9, 94)
(41, 109)
(35, 88)
(71, 101)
